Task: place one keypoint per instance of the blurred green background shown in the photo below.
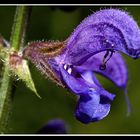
(30, 112)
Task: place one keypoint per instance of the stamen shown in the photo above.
(102, 67)
(105, 60)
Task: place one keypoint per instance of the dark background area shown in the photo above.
(53, 2)
(30, 112)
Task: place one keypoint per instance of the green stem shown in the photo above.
(19, 28)
(5, 100)
(16, 42)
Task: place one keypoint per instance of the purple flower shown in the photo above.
(94, 46)
(56, 126)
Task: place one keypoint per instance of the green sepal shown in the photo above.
(23, 73)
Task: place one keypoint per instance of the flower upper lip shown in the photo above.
(99, 31)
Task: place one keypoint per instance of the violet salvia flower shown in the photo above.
(55, 126)
(94, 46)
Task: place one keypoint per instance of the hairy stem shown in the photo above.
(5, 100)
(16, 42)
(19, 28)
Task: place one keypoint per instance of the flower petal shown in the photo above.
(77, 85)
(116, 69)
(107, 29)
(83, 83)
(89, 77)
(94, 102)
(55, 126)
(90, 108)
